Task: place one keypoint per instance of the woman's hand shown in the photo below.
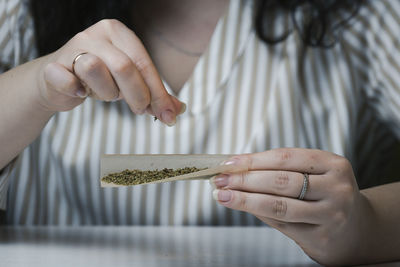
(115, 66)
(328, 224)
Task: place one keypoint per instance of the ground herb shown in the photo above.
(135, 177)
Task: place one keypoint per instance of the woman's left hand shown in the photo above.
(327, 223)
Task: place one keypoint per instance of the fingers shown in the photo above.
(178, 105)
(65, 84)
(115, 72)
(162, 103)
(274, 207)
(93, 73)
(282, 183)
(116, 65)
(301, 160)
(63, 80)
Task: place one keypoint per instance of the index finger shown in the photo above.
(302, 160)
(161, 101)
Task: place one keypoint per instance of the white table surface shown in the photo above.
(148, 246)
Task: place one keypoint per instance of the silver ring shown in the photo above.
(304, 189)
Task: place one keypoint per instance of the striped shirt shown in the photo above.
(243, 96)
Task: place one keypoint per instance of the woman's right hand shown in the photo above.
(116, 66)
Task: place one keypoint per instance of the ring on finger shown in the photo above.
(304, 189)
(76, 59)
(87, 88)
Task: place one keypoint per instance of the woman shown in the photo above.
(247, 90)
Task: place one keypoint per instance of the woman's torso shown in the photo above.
(243, 96)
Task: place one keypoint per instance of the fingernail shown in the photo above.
(221, 180)
(81, 92)
(168, 117)
(231, 161)
(240, 164)
(183, 108)
(222, 195)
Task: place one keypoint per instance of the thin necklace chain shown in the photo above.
(167, 41)
(170, 43)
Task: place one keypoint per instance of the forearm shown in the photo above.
(22, 117)
(381, 237)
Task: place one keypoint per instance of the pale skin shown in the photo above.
(336, 223)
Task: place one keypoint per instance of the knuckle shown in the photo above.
(123, 66)
(248, 158)
(279, 208)
(143, 66)
(244, 202)
(82, 36)
(282, 180)
(90, 65)
(283, 155)
(239, 180)
(341, 165)
(109, 23)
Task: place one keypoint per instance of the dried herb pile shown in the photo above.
(135, 177)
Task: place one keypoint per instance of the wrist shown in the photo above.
(358, 238)
(368, 234)
(40, 96)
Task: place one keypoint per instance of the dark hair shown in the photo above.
(317, 21)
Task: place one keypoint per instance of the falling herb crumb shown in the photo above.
(135, 177)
